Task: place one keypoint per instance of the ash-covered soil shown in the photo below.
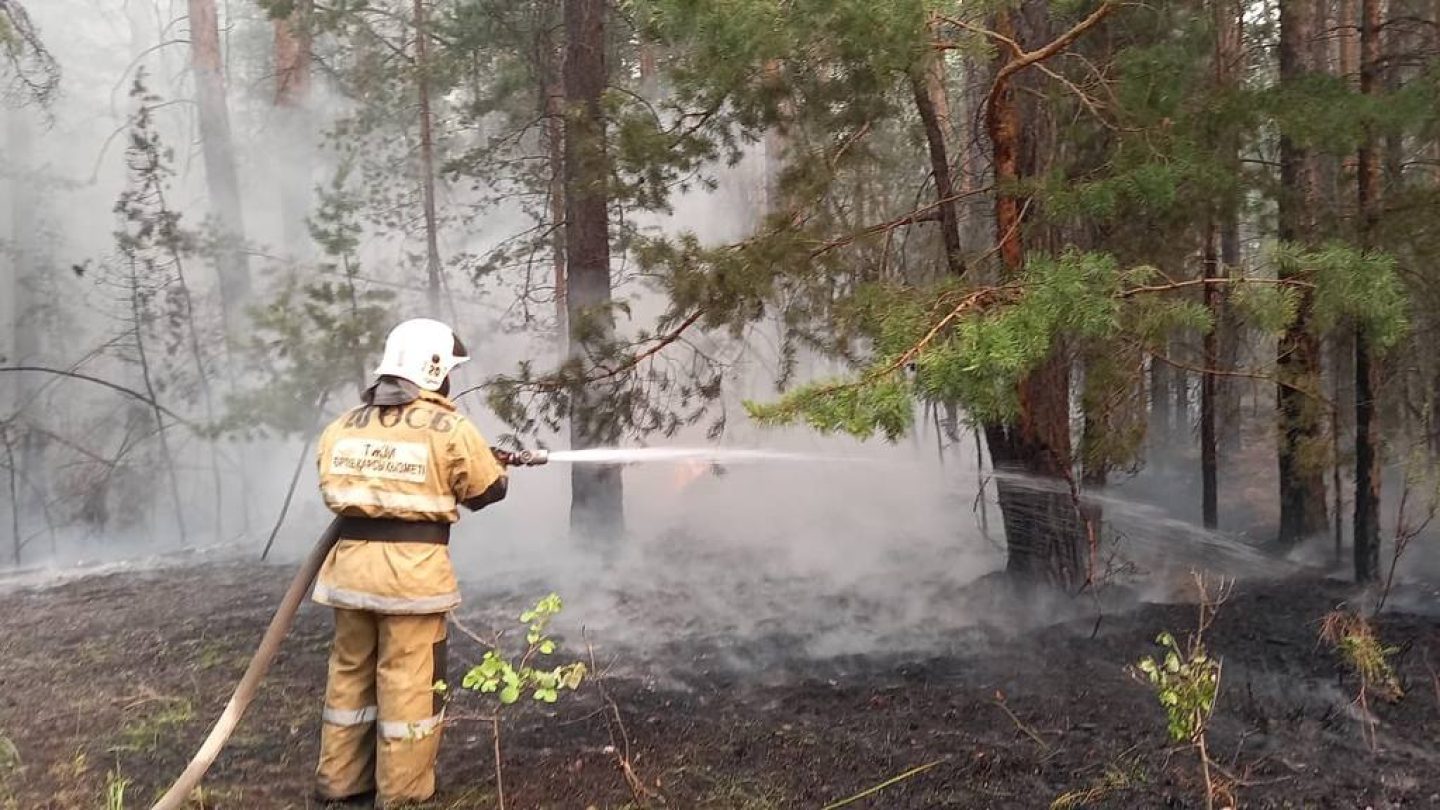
(113, 680)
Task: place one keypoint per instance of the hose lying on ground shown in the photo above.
(179, 792)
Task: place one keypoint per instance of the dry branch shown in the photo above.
(130, 392)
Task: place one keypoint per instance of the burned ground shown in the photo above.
(113, 680)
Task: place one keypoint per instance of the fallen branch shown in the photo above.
(916, 771)
(638, 788)
(1020, 724)
(294, 479)
(471, 634)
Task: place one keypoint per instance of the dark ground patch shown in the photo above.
(118, 677)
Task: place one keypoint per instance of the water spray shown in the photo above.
(640, 455)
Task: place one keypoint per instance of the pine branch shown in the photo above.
(1022, 59)
(604, 373)
(1221, 280)
(655, 348)
(927, 213)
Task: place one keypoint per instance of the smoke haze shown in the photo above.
(873, 553)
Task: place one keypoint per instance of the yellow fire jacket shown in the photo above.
(416, 462)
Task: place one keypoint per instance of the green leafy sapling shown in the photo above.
(1186, 681)
(509, 681)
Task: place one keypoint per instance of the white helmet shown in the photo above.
(422, 351)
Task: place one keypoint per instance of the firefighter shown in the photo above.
(396, 468)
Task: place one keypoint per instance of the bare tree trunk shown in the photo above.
(20, 280)
(202, 376)
(24, 295)
(1432, 45)
(1336, 49)
(1180, 350)
(1229, 56)
(1367, 459)
(1301, 429)
(293, 57)
(427, 160)
(1160, 416)
(970, 155)
(649, 59)
(1228, 391)
(219, 150)
(550, 62)
(11, 466)
(776, 143)
(927, 85)
(138, 317)
(1209, 449)
(597, 492)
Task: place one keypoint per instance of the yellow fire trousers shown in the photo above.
(382, 719)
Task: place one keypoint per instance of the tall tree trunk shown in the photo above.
(648, 58)
(972, 149)
(23, 295)
(1180, 350)
(1209, 449)
(1044, 530)
(1229, 57)
(1367, 459)
(1301, 429)
(1346, 59)
(1160, 416)
(427, 159)
(220, 174)
(1228, 390)
(550, 64)
(776, 142)
(293, 58)
(927, 85)
(138, 317)
(1432, 45)
(597, 492)
(21, 276)
(17, 539)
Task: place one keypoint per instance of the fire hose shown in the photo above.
(280, 623)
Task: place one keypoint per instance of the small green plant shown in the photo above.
(9, 764)
(9, 756)
(1186, 681)
(115, 786)
(509, 679)
(143, 735)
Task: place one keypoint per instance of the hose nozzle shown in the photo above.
(522, 458)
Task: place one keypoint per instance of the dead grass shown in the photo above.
(162, 717)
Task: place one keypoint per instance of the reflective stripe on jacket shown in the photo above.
(414, 462)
